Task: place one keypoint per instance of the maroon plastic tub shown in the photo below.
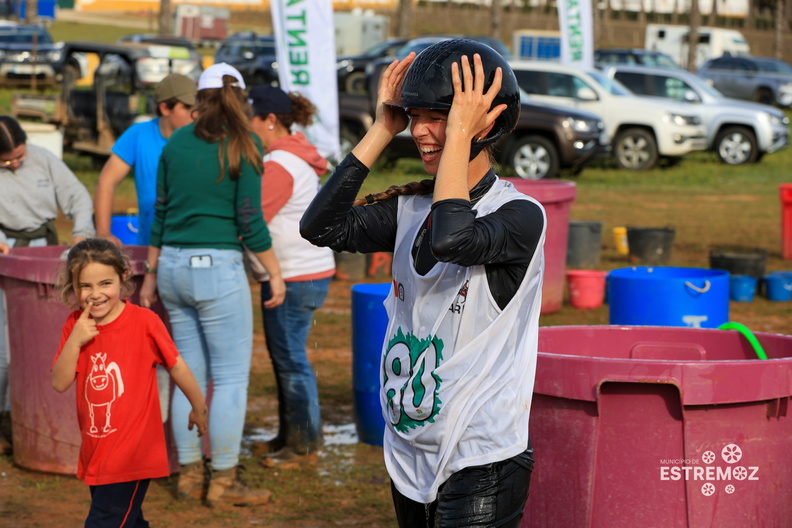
(661, 427)
(556, 196)
(46, 435)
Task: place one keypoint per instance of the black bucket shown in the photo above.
(739, 261)
(584, 244)
(650, 245)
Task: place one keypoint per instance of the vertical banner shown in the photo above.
(577, 29)
(305, 39)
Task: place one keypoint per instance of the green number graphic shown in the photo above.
(411, 385)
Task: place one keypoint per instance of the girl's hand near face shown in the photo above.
(394, 119)
(470, 116)
(85, 328)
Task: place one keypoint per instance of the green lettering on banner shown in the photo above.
(298, 46)
(301, 77)
(296, 37)
(575, 32)
(298, 57)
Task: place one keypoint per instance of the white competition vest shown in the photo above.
(457, 377)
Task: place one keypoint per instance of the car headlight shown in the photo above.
(774, 119)
(581, 125)
(2, 55)
(786, 87)
(340, 65)
(683, 120)
(54, 56)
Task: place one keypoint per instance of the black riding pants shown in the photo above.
(492, 495)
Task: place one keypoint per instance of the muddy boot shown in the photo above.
(192, 481)
(225, 487)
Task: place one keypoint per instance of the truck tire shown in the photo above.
(736, 145)
(635, 149)
(533, 158)
(355, 82)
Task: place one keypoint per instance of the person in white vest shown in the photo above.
(459, 356)
(292, 168)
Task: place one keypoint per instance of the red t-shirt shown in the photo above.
(118, 406)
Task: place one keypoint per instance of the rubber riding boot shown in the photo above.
(225, 487)
(192, 481)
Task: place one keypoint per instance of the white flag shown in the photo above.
(305, 40)
(577, 39)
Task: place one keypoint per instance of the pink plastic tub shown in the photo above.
(556, 196)
(660, 427)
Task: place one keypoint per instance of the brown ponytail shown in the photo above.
(408, 189)
(224, 113)
(302, 113)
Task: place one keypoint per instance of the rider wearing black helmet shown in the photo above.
(459, 356)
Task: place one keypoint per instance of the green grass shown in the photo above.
(65, 31)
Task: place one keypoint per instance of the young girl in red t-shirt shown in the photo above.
(111, 349)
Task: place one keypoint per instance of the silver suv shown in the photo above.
(760, 79)
(737, 131)
(640, 130)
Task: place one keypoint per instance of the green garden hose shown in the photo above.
(760, 353)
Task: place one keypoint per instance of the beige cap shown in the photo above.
(176, 86)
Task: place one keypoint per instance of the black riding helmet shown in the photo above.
(428, 84)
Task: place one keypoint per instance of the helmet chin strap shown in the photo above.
(477, 146)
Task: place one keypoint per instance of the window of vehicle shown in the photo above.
(612, 86)
(25, 35)
(743, 65)
(773, 66)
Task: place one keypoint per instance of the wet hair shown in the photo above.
(170, 104)
(302, 114)
(409, 189)
(11, 134)
(90, 250)
(224, 113)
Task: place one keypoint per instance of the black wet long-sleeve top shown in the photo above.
(504, 241)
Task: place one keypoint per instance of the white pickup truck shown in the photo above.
(640, 130)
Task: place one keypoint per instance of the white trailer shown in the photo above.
(712, 42)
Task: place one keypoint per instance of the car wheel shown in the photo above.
(736, 145)
(635, 149)
(533, 158)
(764, 96)
(355, 82)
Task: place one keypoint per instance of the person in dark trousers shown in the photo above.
(292, 168)
(459, 356)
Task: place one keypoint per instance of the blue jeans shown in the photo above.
(286, 330)
(211, 317)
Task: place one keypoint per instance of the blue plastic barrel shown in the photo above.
(125, 228)
(742, 288)
(667, 296)
(369, 324)
(778, 286)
